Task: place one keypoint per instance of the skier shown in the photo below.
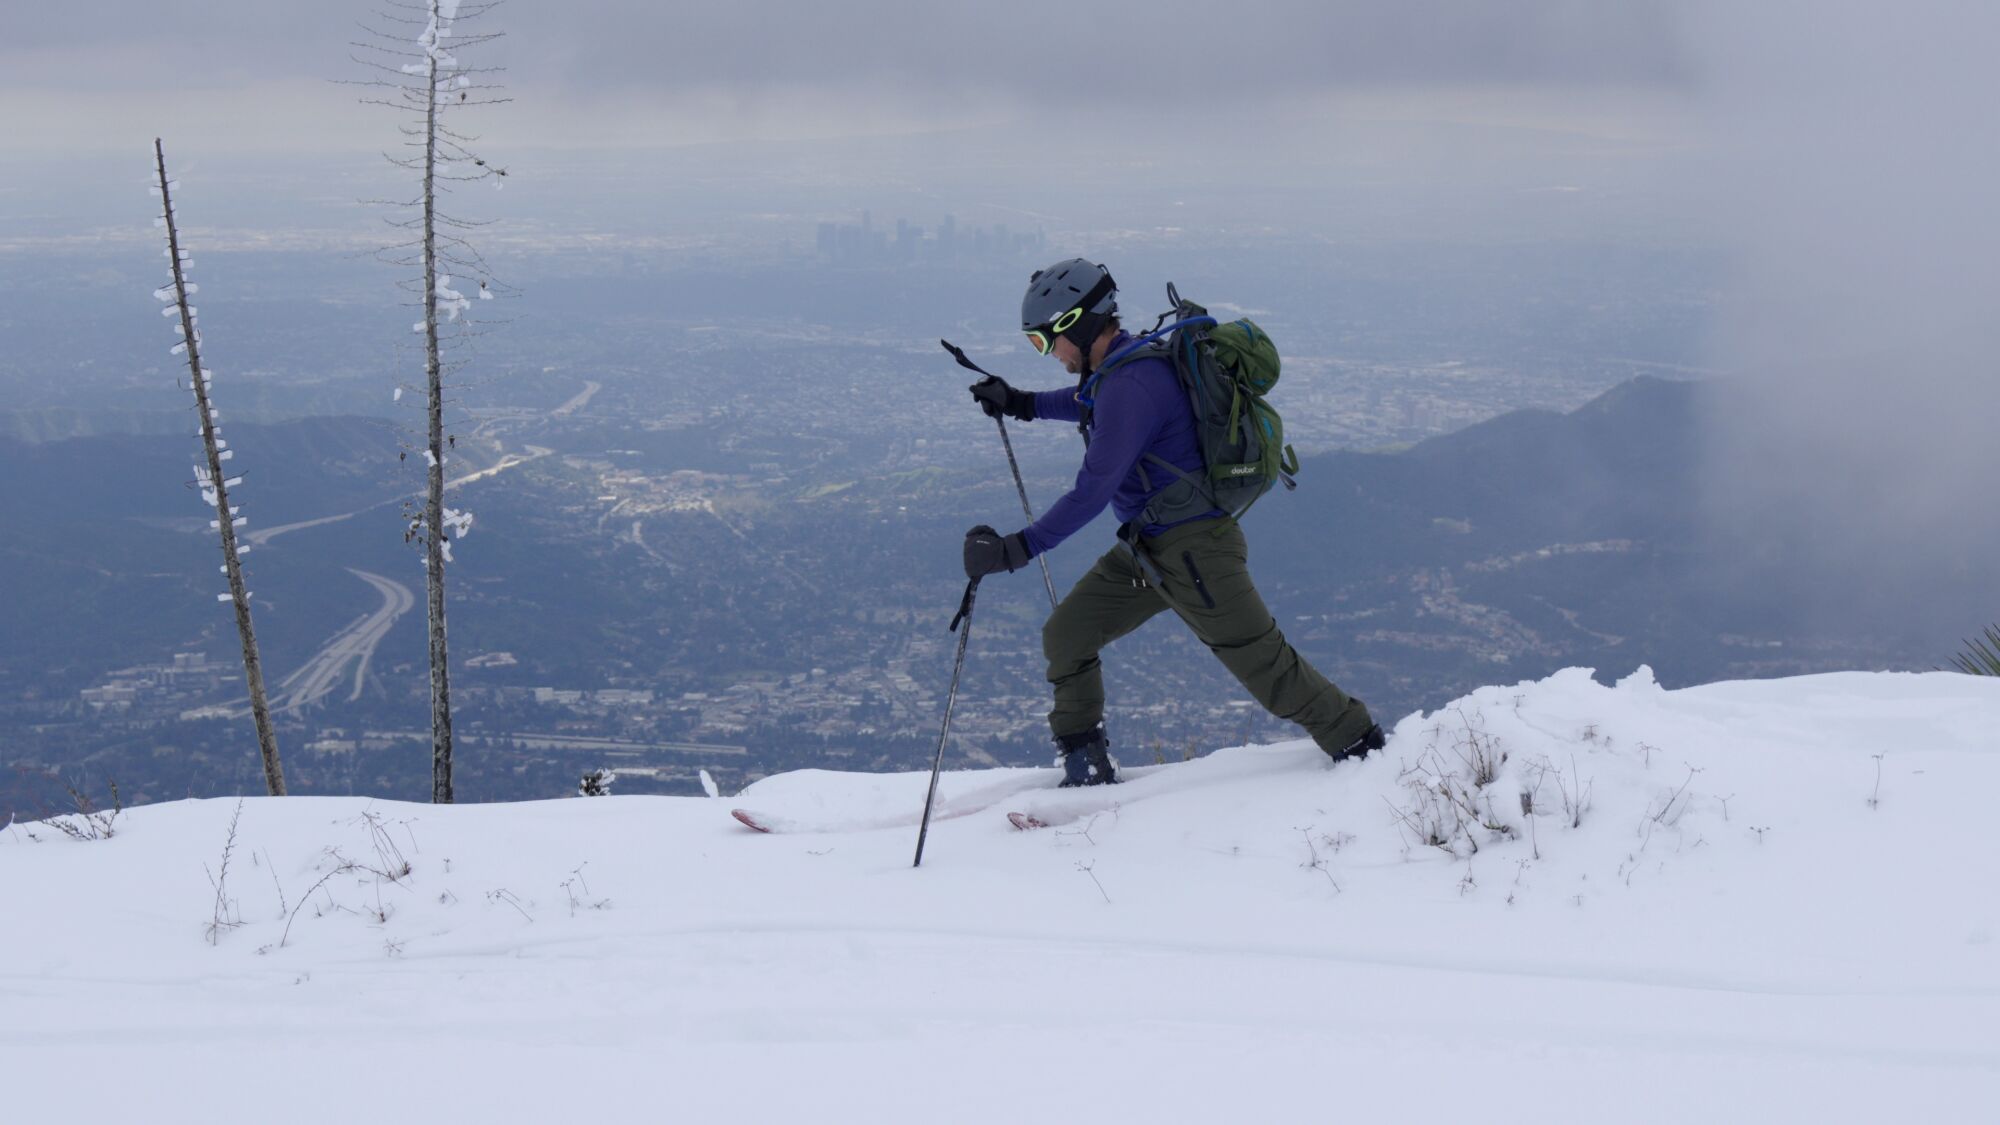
(1189, 557)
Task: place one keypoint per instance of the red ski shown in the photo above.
(752, 821)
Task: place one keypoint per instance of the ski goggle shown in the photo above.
(1043, 339)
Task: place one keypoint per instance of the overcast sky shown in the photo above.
(621, 72)
(1842, 152)
(1858, 169)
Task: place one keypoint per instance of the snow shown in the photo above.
(450, 301)
(436, 31)
(1744, 925)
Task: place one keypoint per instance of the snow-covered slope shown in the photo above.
(1707, 908)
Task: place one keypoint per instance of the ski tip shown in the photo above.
(1024, 822)
(749, 820)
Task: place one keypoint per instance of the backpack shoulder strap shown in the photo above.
(1142, 349)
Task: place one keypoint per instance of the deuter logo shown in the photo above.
(1243, 470)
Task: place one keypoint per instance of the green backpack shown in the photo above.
(1226, 368)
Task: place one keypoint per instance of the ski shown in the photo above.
(962, 804)
(1036, 796)
(753, 821)
(1060, 814)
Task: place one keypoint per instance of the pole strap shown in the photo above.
(958, 354)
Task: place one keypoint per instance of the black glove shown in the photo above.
(995, 397)
(988, 552)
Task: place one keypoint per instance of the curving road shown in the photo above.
(262, 536)
(318, 677)
(590, 388)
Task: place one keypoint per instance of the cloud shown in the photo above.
(1071, 69)
(1856, 168)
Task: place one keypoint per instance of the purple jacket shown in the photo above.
(1140, 409)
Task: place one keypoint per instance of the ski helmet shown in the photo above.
(1072, 298)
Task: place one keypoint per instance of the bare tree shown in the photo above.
(414, 49)
(213, 481)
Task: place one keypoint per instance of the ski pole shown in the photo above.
(1048, 583)
(964, 617)
(1008, 442)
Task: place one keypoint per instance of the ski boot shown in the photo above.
(1086, 759)
(1370, 740)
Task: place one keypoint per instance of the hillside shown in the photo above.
(110, 562)
(1509, 550)
(1539, 540)
(1739, 902)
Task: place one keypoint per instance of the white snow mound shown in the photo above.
(1558, 901)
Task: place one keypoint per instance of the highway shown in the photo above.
(354, 645)
(262, 536)
(590, 388)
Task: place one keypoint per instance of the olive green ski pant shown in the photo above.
(1200, 571)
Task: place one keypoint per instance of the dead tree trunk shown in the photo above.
(215, 487)
(426, 89)
(434, 494)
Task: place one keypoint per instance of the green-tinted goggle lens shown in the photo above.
(1043, 339)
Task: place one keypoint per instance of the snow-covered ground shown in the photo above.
(1707, 909)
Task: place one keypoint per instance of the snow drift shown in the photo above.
(1558, 901)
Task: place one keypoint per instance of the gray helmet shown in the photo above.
(1072, 285)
